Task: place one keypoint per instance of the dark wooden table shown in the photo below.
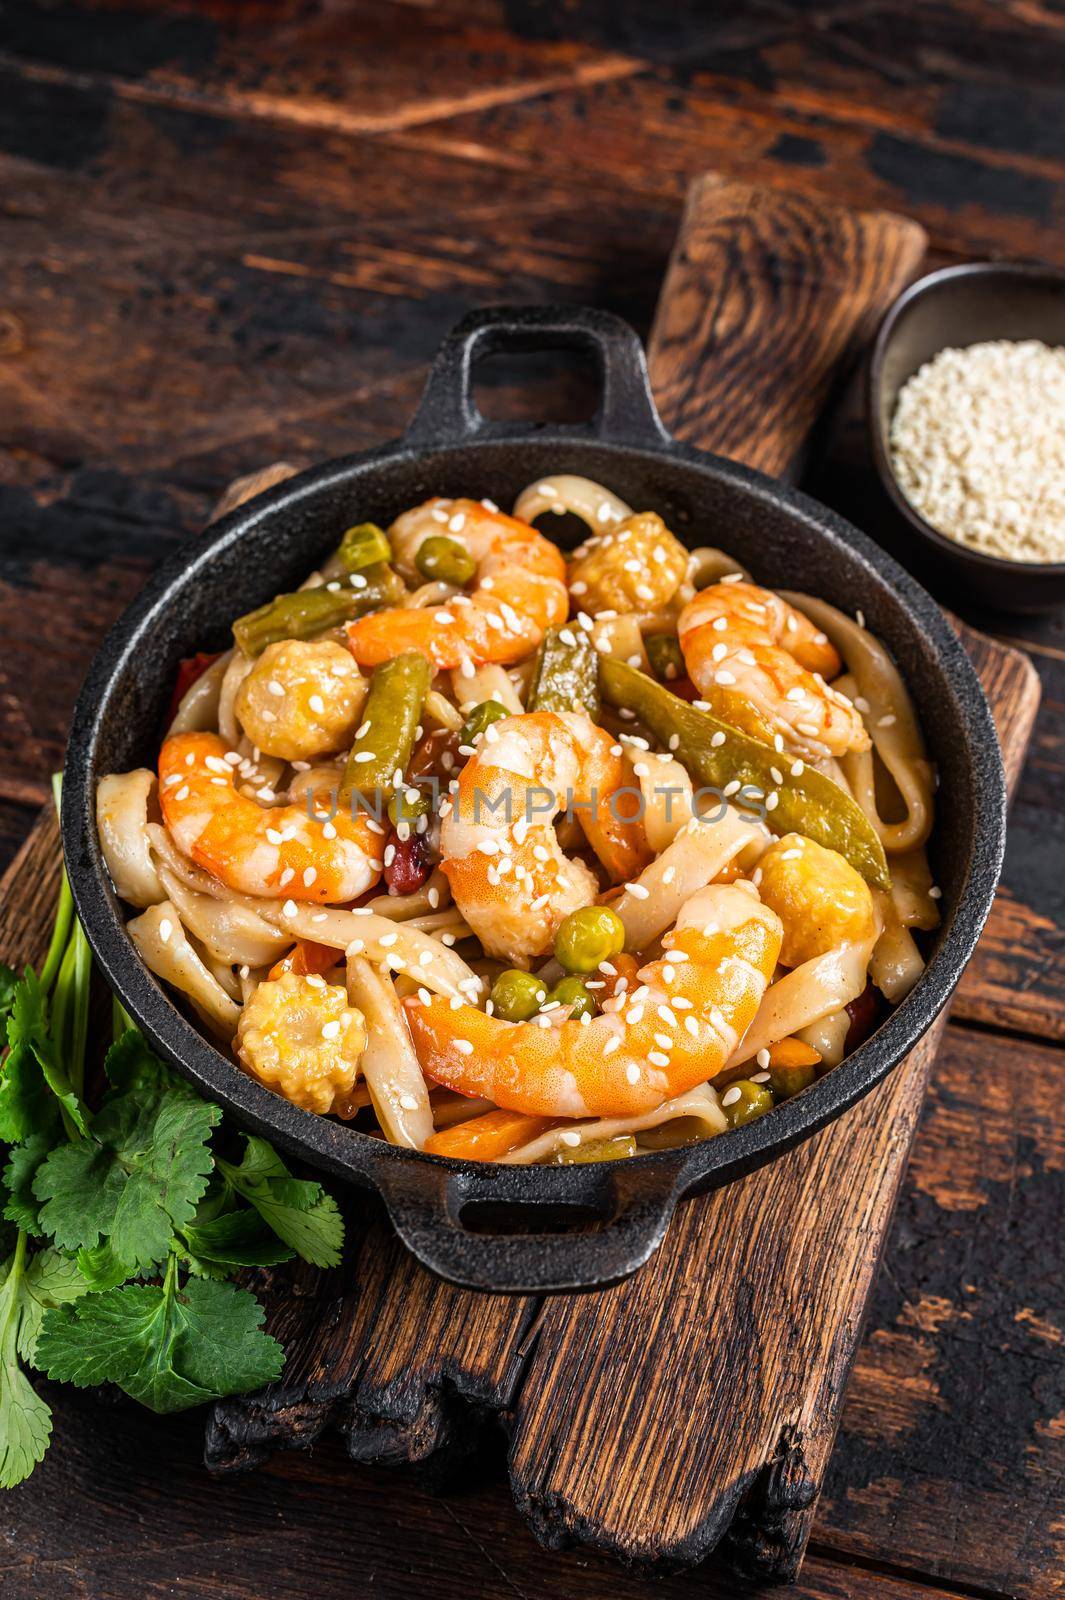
(231, 233)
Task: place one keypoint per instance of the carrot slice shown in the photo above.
(487, 1137)
(306, 957)
(793, 1052)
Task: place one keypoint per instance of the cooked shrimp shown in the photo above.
(298, 1036)
(301, 699)
(508, 874)
(519, 591)
(673, 1032)
(280, 851)
(762, 665)
(820, 899)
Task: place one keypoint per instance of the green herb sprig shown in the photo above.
(121, 1224)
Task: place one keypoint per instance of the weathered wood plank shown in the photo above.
(951, 1452)
(650, 134)
(141, 1518)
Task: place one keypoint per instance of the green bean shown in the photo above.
(566, 676)
(363, 546)
(444, 560)
(619, 1148)
(663, 652)
(309, 612)
(389, 725)
(715, 753)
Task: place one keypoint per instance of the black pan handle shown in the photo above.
(626, 412)
(444, 1217)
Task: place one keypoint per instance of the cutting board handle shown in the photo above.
(768, 302)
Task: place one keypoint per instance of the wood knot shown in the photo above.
(12, 334)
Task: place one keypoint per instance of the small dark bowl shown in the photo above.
(961, 306)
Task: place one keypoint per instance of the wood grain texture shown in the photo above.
(774, 296)
(593, 1366)
(951, 1450)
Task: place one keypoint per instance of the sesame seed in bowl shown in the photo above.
(966, 407)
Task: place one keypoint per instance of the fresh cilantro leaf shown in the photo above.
(131, 1063)
(101, 1268)
(50, 1279)
(136, 1181)
(20, 1205)
(25, 1103)
(299, 1212)
(25, 1419)
(238, 1239)
(167, 1348)
(33, 1073)
(8, 980)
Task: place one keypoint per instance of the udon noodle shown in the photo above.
(501, 855)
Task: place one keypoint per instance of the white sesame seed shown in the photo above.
(632, 1072)
(570, 1137)
(330, 1029)
(730, 1096)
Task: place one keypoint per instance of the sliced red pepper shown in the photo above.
(189, 670)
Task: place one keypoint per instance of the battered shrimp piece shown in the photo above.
(821, 901)
(676, 1030)
(508, 874)
(636, 565)
(301, 699)
(280, 851)
(519, 590)
(762, 666)
(299, 1037)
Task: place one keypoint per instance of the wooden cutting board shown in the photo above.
(694, 1406)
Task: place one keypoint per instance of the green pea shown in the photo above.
(787, 1081)
(445, 560)
(362, 546)
(744, 1101)
(517, 996)
(408, 805)
(663, 652)
(589, 936)
(571, 993)
(619, 1149)
(479, 719)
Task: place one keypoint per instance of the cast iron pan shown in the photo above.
(513, 1229)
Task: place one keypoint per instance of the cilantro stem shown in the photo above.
(9, 1298)
(121, 1021)
(64, 916)
(64, 1008)
(79, 1019)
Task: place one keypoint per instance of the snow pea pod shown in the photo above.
(309, 612)
(566, 675)
(716, 754)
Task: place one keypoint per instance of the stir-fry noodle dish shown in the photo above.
(509, 855)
